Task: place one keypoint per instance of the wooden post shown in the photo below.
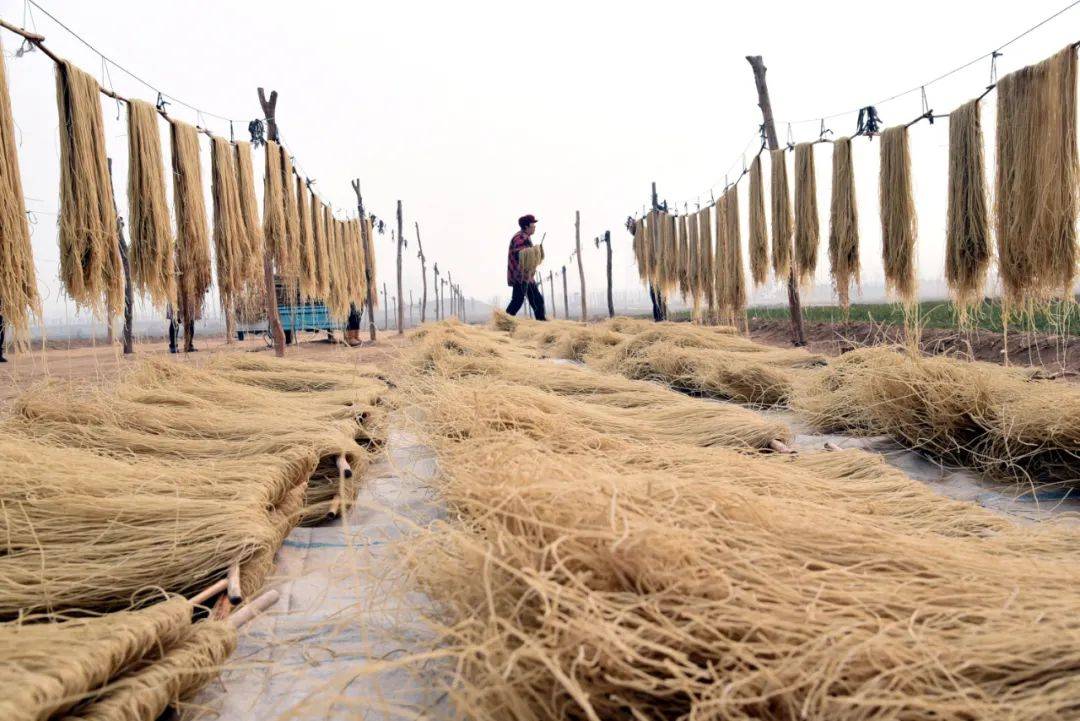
(410, 308)
(565, 296)
(438, 307)
(798, 336)
(369, 252)
(659, 303)
(129, 297)
(273, 320)
(386, 309)
(450, 280)
(423, 275)
(606, 240)
(580, 264)
(442, 300)
(400, 295)
(551, 284)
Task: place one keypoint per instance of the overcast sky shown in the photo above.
(474, 113)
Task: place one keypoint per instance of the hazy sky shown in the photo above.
(474, 113)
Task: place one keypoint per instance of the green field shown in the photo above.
(1059, 318)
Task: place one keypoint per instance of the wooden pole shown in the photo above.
(410, 308)
(400, 295)
(442, 299)
(423, 275)
(798, 336)
(610, 300)
(551, 284)
(450, 281)
(386, 309)
(273, 320)
(369, 252)
(580, 264)
(129, 297)
(565, 296)
(438, 307)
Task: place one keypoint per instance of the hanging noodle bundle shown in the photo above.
(291, 249)
(18, 284)
(369, 261)
(359, 277)
(759, 233)
(274, 208)
(309, 280)
(780, 198)
(639, 250)
(682, 268)
(1036, 199)
(229, 231)
(322, 260)
(806, 213)
(843, 223)
(898, 219)
(736, 284)
(153, 259)
(251, 306)
(192, 243)
(706, 269)
(692, 263)
(670, 253)
(655, 240)
(90, 264)
(337, 300)
(967, 253)
(721, 266)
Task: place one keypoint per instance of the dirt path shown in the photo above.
(1058, 355)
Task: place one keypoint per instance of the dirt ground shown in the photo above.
(105, 364)
(1059, 356)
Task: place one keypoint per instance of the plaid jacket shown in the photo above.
(513, 264)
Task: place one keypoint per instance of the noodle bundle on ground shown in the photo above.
(967, 238)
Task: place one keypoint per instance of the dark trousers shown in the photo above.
(353, 322)
(2, 338)
(189, 335)
(530, 291)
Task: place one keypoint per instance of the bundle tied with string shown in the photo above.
(780, 199)
(843, 223)
(291, 248)
(322, 260)
(153, 258)
(229, 240)
(898, 220)
(251, 305)
(18, 283)
(736, 283)
(192, 241)
(274, 208)
(309, 280)
(530, 259)
(1036, 199)
(967, 238)
(90, 265)
(759, 232)
(705, 258)
(807, 231)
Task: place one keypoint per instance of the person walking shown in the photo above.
(523, 288)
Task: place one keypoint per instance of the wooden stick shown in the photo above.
(830, 446)
(221, 609)
(343, 466)
(335, 506)
(209, 592)
(253, 609)
(779, 446)
(580, 266)
(233, 579)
